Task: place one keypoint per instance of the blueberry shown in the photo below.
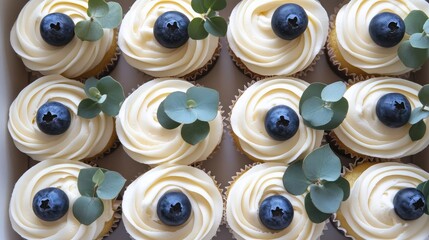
(387, 29)
(171, 29)
(409, 203)
(289, 21)
(281, 122)
(53, 118)
(50, 204)
(57, 29)
(393, 110)
(174, 208)
(276, 212)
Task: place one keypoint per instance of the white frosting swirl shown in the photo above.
(142, 51)
(141, 198)
(248, 121)
(364, 133)
(71, 60)
(60, 174)
(355, 43)
(369, 211)
(246, 194)
(253, 41)
(85, 138)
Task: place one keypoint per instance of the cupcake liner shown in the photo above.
(204, 70)
(116, 218)
(110, 147)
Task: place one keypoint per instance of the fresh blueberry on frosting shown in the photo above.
(174, 208)
(57, 29)
(276, 212)
(53, 118)
(50, 204)
(289, 21)
(171, 29)
(393, 110)
(409, 203)
(387, 29)
(281, 122)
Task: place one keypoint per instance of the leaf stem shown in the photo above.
(208, 13)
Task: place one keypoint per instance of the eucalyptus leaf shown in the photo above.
(111, 87)
(89, 30)
(322, 164)
(196, 29)
(315, 112)
(414, 21)
(216, 26)
(111, 186)
(412, 57)
(198, 6)
(345, 186)
(91, 83)
(424, 95)
(215, 5)
(110, 107)
(94, 94)
(176, 108)
(98, 177)
(97, 8)
(85, 183)
(113, 18)
(420, 186)
(87, 209)
(207, 102)
(427, 206)
(326, 198)
(314, 90)
(419, 40)
(426, 26)
(313, 213)
(417, 115)
(333, 92)
(163, 118)
(88, 108)
(195, 132)
(425, 189)
(294, 179)
(102, 99)
(340, 109)
(417, 131)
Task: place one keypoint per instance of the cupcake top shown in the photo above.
(146, 141)
(355, 43)
(365, 134)
(142, 51)
(143, 194)
(245, 195)
(85, 138)
(71, 60)
(60, 174)
(253, 41)
(370, 211)
(248, 121)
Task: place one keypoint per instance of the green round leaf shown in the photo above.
(196, 29)
(102, 100)
(419, 40)
(215, 5)
(327, 198)
(98, 177)
(85, 183)
(94, 93)
(314, 90)
(110, 107)
(97, 8)
(425, 189)
(195, 132)
(207, 102)
(87, 209)
(164, 120)
(198, 6)
(417, 115)
(313, 213)
(427, 206)
(322, 164)
(88, 30)
(216, 26)
(113, 18)
(340, 110)
(420, 186)
(111, 186)
(424, 95)
(414, 21)
(88, 108)
(417, 131)
(412, 57)
(91, 83)
(294, 179)
(176, 108)
(333, 92)
(315, 112)
(111, 87)
(426, 26)
(345, 186)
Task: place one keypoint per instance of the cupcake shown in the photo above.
(262, 185)
(172, 202)
(268, 38)
(365, 37)
(265, 121)
(44, 124)
(374, 209)
(44, 38)
(377, 123)
(147, 140)
(145, 47)
(44, 204)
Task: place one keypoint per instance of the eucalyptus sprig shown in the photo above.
(418, 128)
(322, 106)
(414, 52)
(320, 172)
(194, 109)
(424, 188)
(105, 95)
(95, 185)
(210, 22)
(102, 15)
